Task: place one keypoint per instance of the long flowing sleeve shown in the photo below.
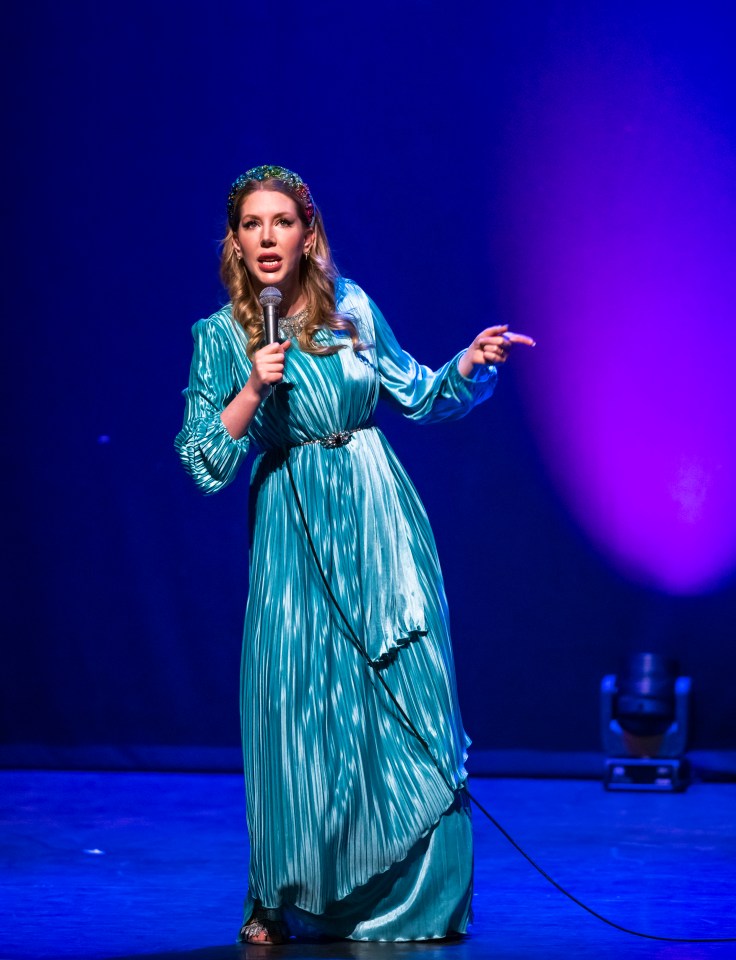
(209, 454)
(420, 393)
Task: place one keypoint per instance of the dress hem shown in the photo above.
(249, 901)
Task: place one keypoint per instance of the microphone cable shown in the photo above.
(356, 642)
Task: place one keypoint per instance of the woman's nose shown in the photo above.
(267, 240)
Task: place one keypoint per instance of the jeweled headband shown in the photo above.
(269, 172)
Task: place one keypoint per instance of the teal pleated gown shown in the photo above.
(353, 832)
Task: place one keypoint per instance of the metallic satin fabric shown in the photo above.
(338, 793)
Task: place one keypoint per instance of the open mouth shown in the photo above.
(269, 262)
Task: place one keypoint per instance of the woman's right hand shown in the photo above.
(268, 368)
(266, 372)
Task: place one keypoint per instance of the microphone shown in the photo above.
(270, 299)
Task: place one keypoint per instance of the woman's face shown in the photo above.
(271, 238)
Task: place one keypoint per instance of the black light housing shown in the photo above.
(644, 725)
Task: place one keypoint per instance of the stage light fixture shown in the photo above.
(644, 725)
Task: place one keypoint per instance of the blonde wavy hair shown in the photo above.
(317, 276)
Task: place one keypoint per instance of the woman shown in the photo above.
(356, 829)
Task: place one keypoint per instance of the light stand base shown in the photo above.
(660, 775)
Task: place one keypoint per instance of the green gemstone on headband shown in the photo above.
(272, 172)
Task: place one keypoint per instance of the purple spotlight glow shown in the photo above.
(623, 199)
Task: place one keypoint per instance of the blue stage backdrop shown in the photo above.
(569, 168)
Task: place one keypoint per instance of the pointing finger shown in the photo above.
(510, 337)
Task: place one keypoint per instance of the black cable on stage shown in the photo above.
(355, 640)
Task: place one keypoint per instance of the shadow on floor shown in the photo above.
(335, 950)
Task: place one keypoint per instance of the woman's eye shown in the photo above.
(249, 224)
(286, 223)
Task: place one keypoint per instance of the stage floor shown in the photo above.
(121, 865)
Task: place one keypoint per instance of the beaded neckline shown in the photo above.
(292, 326)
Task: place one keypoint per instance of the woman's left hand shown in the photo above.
(492, 346)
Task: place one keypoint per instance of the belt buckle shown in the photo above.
(338, 439)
